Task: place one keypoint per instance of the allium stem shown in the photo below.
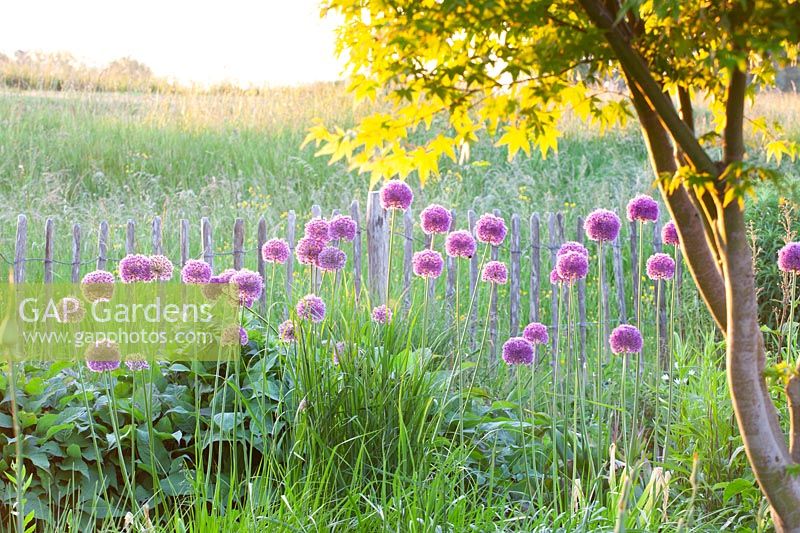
(389, 259)
(791, 320)
(600, 356)
(115, 425)
(90, 418)
(517, 371)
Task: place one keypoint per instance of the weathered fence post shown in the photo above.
(130, 237)
(20, 249)
(184, 237)
(48, 251)
(494, 254)
(238, 244)
(158, 247)
(377, 246)
(102, 245)
(207, 239)
(76, 253)
(536, 272)
(514, 287)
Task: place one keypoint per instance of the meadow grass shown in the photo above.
(379, 442)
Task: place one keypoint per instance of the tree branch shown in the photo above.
(733, 136)
(793, 400)
(687, 112)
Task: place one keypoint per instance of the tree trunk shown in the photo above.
(756, 416)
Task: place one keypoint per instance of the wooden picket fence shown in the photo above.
(375, 227)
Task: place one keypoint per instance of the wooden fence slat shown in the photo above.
(238, 244)
(76, 253)
(450, 288)
(207, 239)
(581, 303)
(158, 248)
(20, 249)
(102, 245)
(514, 286)
(377, 245)
(495, 255)
(472, 218)
(261, 238)
(48, 250)
(355, 214)
(184, 237)
(130, 237)
(408, 255)
(619, 280)
(536, 272)
(290, 227)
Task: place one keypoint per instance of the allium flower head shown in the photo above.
(660, 266)
(311, 307)
(102, 355)
(435, 219)
(286, 331)
(307, 250)
(495, 272)
(555, 277)
(427, 264)
(789, 258)
(331, 259)
(643, 208)
(602, 225)
(536, 333)
(196, 271)
(625, 339)
(162, 267)
(70, 310)
(572, 246)
(669, 234)
(343, 228)
(318, 229)
(572, 266)
(98, 286)
(382, 314)
(248, 284)
(491, 229)
(135, 267)
(136, 362)
(275, 251)
(396, 194)
(460, 243)
(518, 351)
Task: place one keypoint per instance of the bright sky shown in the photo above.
(274, 42)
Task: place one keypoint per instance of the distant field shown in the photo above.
(91, 156)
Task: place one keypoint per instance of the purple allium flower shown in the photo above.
(435, 219)
(518, 351)
(135, 267)
(669, 234)
(789, 258)
(136, 362)
(248, 284)
(536, 333)
(98, 286)
(555, 277)
(234, 335)
(572, 246)
(572, 266)
(343, 228)
(625, 339)
(275, 251)
(396, 194)
(382, 314)
(311, 307)
(318, 229)
(70, 310)
(491, 229)
(331, 259)
(660, 266)
(495, 272)
(602, 225)
(162, 267)
(196, 271)
(427, 264)
(643, 208)
(307, 250)
(286, 331)
(102, 355)
(460, 243)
